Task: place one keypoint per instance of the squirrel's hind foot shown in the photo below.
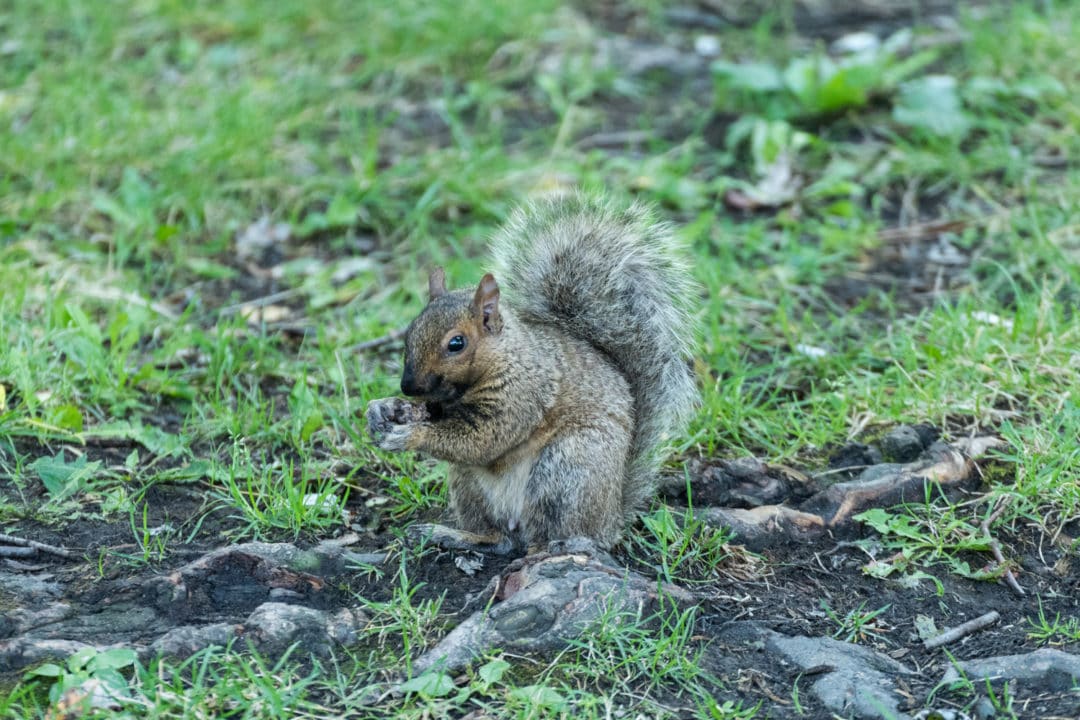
(449, 538)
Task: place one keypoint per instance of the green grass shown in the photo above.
(1055, 632)
(686, 551)
(141, 139)
(858, 625)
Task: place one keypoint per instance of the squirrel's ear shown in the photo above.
(436, 283)
(486, 302)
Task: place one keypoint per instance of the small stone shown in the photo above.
(707, 46)
(342, 627)
(984, 709)
(275, 626)
(186, 640)
(901, 444)
(854, 455)
(260, 237)
(855, 43)
(283, 594)
(469, 563)
(811, 351)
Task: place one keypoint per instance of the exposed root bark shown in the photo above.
(833, 508)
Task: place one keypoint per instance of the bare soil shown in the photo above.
(787, 591)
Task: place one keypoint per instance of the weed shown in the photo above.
(818, 85)
(928, 534)
(1056, 631)
(89, 679)
(858, 624)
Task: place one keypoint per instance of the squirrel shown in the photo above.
(550, 406)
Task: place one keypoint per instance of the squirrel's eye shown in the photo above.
(456, 344)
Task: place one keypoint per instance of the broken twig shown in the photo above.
(921, 231)
(954, 634)
(259, 302)
(43, 547)
(16, 552)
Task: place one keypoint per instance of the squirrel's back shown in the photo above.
(616, 278)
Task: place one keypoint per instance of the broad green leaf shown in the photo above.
(847, 88)
(753, 76)
(894, 74)
(67, 417)
(932, 104)
(194, 470)
(154, 439)
(112, 659)
(803, 77)
(540, 695)
(304, 404)
(47, 670)
(925, 627)
(210, 269)
(62, 478)
(81, 658)
(312, 422)
(493, 670)
(430, 685)
(879, 569)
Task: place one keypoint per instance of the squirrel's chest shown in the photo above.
(506, 492)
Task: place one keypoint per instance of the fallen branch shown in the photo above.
(111, 294)
(609, 140)
(43, 547)
(16, 552)
(259, 302)
(954, 634)
(921, 231)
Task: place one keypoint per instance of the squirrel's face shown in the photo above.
(443, 342)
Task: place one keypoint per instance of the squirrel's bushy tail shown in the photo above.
(616, 278)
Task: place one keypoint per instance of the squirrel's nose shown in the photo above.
(408, 382)
(411, 386)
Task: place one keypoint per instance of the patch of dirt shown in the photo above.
(805, 579)
(755, 628)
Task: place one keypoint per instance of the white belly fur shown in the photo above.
(505, 492)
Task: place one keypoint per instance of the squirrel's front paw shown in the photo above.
(393, 439)
(391, 421)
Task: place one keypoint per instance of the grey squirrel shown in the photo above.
(550, 405)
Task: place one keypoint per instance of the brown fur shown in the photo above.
(542, 427)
